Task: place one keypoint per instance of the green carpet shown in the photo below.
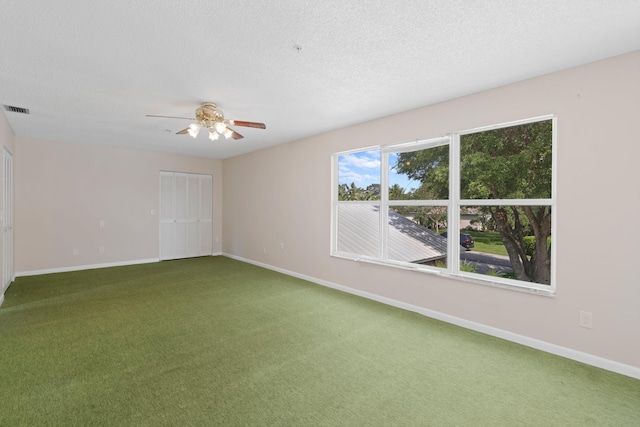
(214, 341)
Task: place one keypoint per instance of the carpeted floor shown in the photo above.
(213, 341)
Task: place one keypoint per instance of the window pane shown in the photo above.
(500, 240)
(413, 235)
(358, 229)
(507, 163)
(419, 175)
(401, 186)
(359, 176)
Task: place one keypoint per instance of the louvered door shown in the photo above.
(7, 223)
(186, 215)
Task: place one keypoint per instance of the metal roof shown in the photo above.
(359, 233)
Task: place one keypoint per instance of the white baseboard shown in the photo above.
(589, 359)
(85, 267)
(1, 299)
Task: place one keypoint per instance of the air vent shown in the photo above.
(18, 110)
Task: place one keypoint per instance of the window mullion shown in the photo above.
(453, 222)
(384, 205)
(506, 202)
(334, 202)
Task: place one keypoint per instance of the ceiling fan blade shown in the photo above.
(183, 131)
(170, 117)
(247, 124)
(234, 134)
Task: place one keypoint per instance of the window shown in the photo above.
(492, 188)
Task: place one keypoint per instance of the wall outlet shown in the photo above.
(102, 223)
(281, 245)
(586, 319)
(76, 251)
(101, 249)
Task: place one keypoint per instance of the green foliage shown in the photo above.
(430, 167)
(529, 245)
(508, 275)
(507, 163)
(485, 221)
(352, 192)
(397, 193)
(433, 217)
(468, 267)
(493, 272)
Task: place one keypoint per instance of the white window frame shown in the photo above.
(454, 205)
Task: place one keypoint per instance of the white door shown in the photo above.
(193, 215)
(180, 215)
(7, 223)
(166, 215)
(206, 215)
(186, 215)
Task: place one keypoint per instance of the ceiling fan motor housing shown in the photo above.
(208, 115)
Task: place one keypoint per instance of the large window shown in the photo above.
(476, 204)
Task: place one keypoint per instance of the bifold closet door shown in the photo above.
(7, 223)
(180, 215)
(166, 215)
(206, 215)
(186, 215)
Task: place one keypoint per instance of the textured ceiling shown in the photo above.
(89, 71)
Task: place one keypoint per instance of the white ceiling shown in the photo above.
(90, 70)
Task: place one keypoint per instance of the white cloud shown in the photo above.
(363, 169)
(366, 160)
(359, 168)
(361, 180)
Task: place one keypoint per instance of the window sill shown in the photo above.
(460, 277)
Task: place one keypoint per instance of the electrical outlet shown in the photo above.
(101, 249)
(586, 319)
(264, 250)
(281, 245)
(76, 251)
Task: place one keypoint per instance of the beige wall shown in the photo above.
(283, 195)
(64, 190)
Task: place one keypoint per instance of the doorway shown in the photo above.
(186, 215)
(7, 222)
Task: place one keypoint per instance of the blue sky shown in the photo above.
(363, 169)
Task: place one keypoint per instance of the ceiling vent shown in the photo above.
(18, 110)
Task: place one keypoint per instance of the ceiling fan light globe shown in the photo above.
(220, 127)
(227, 133)
(194, 129)
(213, 135)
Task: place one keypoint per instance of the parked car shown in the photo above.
(466, 240)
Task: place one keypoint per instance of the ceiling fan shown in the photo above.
(208, 116)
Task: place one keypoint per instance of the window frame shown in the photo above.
(454, 205)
